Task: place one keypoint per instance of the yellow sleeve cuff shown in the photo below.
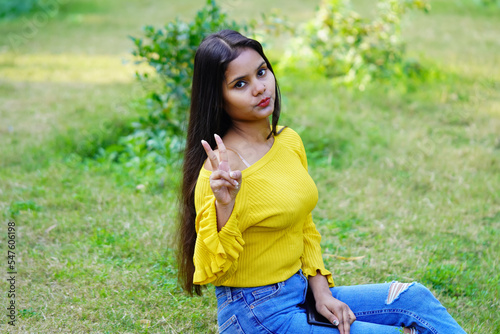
(215, 252)
(313, 272)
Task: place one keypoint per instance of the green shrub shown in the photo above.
(488, 2)
(338, 43)
(158, 135)
(352, 49)
(15, 8)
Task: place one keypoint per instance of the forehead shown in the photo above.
(246, 63)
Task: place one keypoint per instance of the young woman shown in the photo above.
(246, 223)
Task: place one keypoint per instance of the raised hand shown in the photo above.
(225, 183)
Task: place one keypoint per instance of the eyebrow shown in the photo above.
(244, 76)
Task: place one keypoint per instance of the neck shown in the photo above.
(252, 132)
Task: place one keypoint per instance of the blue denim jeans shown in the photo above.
(276, 308)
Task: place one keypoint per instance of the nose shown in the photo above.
(260, 88)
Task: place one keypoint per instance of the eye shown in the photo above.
(262, 72)
(239, 84)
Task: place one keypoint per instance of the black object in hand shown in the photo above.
(313, 317)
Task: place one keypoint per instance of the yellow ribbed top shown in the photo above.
(270, 234)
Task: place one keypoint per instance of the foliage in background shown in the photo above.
(338, 43)
(157, 137)
(341, 44)
(97, 257)
(488, 2)
(14, 8)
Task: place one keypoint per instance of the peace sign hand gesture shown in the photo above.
(225, 183)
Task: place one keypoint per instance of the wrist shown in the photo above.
(224, 211)
(322, 296)
(319, 286)
(221, 205)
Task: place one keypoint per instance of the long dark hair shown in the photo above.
(207, 116)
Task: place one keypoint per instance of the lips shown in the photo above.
(264, 102)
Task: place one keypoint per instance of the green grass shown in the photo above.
(408, 174)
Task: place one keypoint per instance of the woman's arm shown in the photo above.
(337, 312)
(219, 241)
(223, 213)
(216, 252)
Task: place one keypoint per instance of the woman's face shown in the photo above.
(249, 88)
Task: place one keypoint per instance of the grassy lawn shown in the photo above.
(408, 175)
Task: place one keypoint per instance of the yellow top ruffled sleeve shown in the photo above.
(216, 253)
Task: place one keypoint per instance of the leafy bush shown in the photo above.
(488, 2)
(15, 8)
(158, 135)
(338, 41)
(353, 49)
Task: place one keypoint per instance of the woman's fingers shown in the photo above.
(345, 323)
(225, 183)
(218, 184)
(224, 163)
(352, 317)
(220, 174)
(345, 319)
(332, 318)
(339, 314)
(211, 155)
(235, 175)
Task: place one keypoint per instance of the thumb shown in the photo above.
(334, 320)
(235, 175)
(329, 315)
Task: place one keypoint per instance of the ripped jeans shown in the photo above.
(379, 308)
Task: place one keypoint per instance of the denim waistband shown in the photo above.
(235, 293)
